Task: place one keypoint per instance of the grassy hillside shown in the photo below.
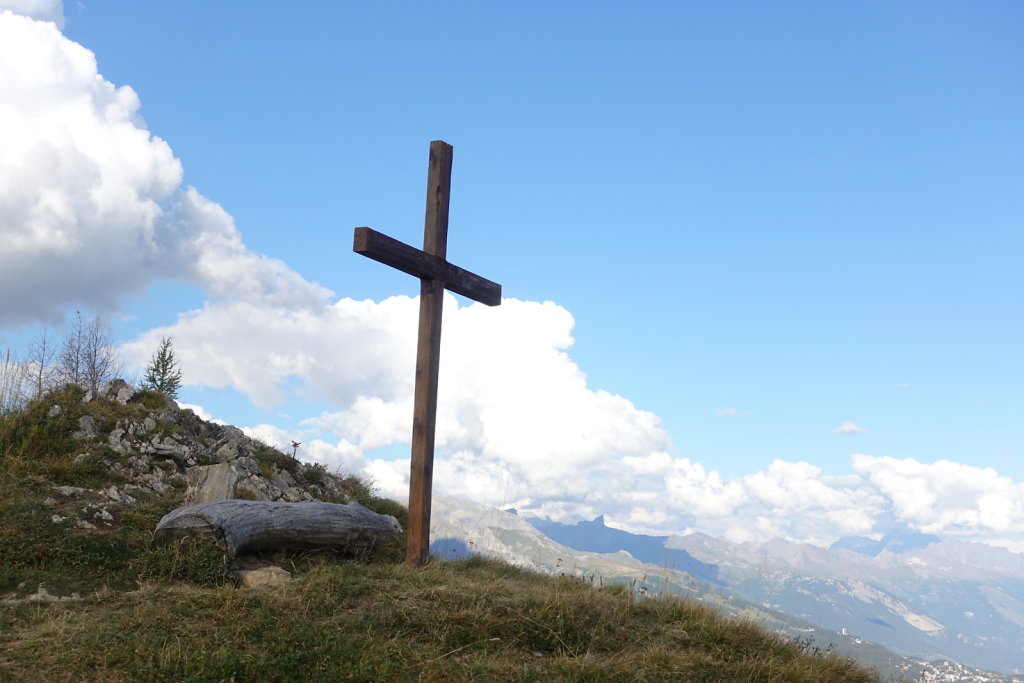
(175, 613)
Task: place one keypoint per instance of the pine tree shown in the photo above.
(162, 373)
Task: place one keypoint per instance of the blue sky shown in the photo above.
(766, 220)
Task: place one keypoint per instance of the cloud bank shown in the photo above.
(519, 427)
(515, 419)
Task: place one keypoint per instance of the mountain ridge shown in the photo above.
(915, 601)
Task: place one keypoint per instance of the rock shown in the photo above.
(294, 495)
(169, 448)
(211, 483)
(103, 514)
(228, 452)
(261, 578)
(86, 428)
(139, 463)
(166, 450)
(118, 496)
(117, 390)
(69, 491)
(116, 441)
(240, 478)
(255, 488)
(43, 595)
(282, 479)
(154, 483)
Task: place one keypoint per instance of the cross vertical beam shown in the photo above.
(436, 274)
(428, 356)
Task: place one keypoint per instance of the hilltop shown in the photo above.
(84, 479)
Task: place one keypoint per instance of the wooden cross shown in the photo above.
(436, 275)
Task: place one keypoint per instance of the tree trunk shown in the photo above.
(240, 526)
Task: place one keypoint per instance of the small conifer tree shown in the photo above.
(162, 373)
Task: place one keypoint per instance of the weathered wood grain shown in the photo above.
(408, 259)
(436, 275)
(240, 526)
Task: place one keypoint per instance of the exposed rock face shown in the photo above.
(114, 390)
(86, 427)
(213, 482)
(239, 478)
(168, 448)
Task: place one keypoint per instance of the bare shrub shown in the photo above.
(40, 364)
(12, 382)
(88, 357)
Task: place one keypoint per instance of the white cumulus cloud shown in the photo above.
(84, 185)
(732, 412)
(43, 10)
(518, 426)
(794, 500)
(516, 419)
(946, 497)
(849, 429)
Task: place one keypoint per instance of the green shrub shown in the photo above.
(32, 433)
(150, 399)
(90, 472)
(355, 488)
(267, 470)
(270, 457)
(314, 474)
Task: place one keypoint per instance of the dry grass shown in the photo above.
(468, 620)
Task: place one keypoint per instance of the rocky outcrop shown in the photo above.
(239, 478)
(163, 448)
(154, 448)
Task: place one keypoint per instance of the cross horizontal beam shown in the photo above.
(417, 263)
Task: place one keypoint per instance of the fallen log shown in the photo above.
(240, 526)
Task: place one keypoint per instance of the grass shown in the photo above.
(36, 550)
(174, 613)
(467, 620)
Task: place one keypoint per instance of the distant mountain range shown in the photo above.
(897, 542)
(922, 597)
(595, 537)
(933, 599)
